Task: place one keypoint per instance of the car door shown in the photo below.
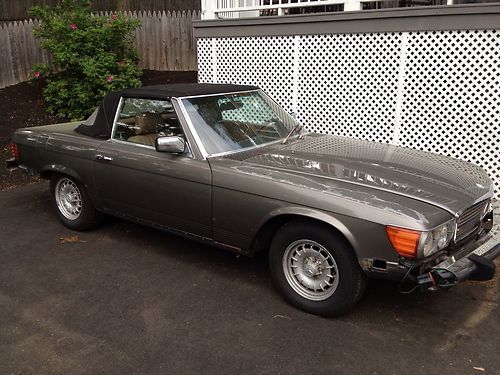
(133, 179)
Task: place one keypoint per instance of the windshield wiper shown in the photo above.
(296, 128)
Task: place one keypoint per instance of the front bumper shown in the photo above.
(474, 262)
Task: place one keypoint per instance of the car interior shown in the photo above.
(147, 124)
(238, 128)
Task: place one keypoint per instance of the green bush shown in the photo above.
(91, 55)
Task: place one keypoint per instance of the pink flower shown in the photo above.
(73, 26)
(114, 16)
(37, 74)
(110, 78)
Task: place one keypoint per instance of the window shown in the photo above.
(141, 121)
(248, 108)
(231, 122)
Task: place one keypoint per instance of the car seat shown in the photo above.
(147, 125)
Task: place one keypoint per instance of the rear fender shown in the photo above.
(48, 170)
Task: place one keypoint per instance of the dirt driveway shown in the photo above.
(129, 299)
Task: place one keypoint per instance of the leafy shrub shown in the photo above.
(91, 55)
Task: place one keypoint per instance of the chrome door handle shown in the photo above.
(102, 157)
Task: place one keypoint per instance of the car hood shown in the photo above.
(442, 181)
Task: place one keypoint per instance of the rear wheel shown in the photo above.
(315, 270)
(72, 203)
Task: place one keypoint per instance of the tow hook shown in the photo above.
(437, 279)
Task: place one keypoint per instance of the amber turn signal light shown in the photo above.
(404, 241)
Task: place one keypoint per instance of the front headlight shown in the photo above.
(427, 244)
(441, 235)
(439, 239)
(421, 244)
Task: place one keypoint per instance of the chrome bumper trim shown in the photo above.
(11, 164)
(463, 267)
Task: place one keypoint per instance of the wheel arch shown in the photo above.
(278, 218)
(49, 170)
(89, 216)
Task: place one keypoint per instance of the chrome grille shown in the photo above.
(469, 220)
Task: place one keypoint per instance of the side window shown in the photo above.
(143, 120)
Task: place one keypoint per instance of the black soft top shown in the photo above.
(103, 123)
(180, 90)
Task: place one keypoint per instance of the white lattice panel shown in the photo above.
(205, 63)
(351, 81)
(262, 61)
(451, 96)
(435, 91)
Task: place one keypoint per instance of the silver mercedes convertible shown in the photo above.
(226, 165)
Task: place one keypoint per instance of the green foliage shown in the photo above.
(91, 55)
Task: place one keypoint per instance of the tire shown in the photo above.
(72, 203)
(315, 270)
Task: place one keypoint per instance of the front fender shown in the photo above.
(367, 239)
(315, 214)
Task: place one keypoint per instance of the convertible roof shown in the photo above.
(184, 89)
(103, 122)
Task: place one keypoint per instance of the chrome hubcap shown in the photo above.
(310, 270)
(313, 267)
(68, 199)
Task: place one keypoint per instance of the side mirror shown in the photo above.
(172, 144)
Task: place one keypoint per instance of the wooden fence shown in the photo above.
(16, 10)
(164, 42)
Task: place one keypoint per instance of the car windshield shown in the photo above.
(237, 121)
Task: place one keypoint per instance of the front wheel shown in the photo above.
(72, 203)
(315, 270)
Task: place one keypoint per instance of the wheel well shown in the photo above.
(262, 240)
(46, 175)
